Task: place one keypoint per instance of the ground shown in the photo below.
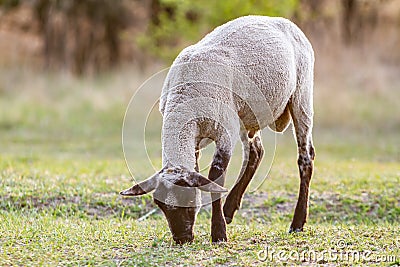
(62, 166)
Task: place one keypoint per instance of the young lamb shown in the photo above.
(247, 74)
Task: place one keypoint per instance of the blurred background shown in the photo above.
(69, 67)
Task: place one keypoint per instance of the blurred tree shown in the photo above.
(177, 23)
(359, 18)
(9, 3)
(348, 21)
(82, 36)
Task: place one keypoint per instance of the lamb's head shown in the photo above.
(178, 196)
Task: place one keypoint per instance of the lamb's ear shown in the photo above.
(144, 187)
(205, 184)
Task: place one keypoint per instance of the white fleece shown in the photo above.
(239, 76)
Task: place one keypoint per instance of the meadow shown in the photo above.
(62, 166)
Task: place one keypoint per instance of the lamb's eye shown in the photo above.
(170, 207)
(181, 182)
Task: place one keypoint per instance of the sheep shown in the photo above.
(248, 74)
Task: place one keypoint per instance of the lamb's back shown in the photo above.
(256, 52)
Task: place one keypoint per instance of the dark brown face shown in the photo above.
(180, 221)
(177, 193)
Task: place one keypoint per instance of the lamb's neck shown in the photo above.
(178, 145)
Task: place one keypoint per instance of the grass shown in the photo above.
(61, 166)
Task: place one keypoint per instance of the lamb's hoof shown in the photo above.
(218, 240)
(295, 230)
(228, 220)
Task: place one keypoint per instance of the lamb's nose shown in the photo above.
(183, 239)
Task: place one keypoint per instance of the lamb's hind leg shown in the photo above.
(217, 174)
(302, 121)
(251, 143)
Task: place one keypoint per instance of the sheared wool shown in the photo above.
(238, 78)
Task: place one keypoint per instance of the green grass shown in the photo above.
(62, 166)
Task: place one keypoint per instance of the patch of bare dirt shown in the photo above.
(97, 205)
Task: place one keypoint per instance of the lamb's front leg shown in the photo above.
(217, 174)
(255, 152)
